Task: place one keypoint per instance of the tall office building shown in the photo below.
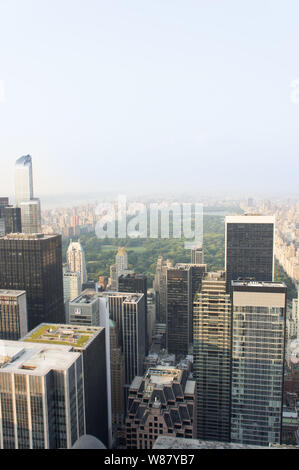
(249, 248)
(182, 282)
(159, 286)
(90, 343)
(23, 179)
(30, 206)
(41, 396)
(88, 310)
(13, 314)
(10, 220)
(31, 216)
(71, 288)
(4, 201)
(117, 377)
(33, 263)
(212, 358)
(118, 269)
(197, 256)
(257, 361)
(127, 311)
(163, 402)
(136, 283)
(121, 260)
(76, 260)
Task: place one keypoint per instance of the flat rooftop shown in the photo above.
(76, 336)
(162, 375)
(11, 293)
(127, 296)
(261, 284)
(28, 236)
(34, 359)
(250, 219)
(167, 442)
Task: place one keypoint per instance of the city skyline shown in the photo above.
(204, 94)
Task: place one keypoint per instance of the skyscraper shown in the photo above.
(33, 263)
(127, 311)
(30, 206)
(90, 344)
(23, 179)
(41, 396)
(212, 357)
(259, 310)
(31, 216)
(249, 248)
(182, 282)
(159, 285)
(136, 283)
(197, 256)
(12, 219)
(13, 314)
(76, 260)
(71, 288)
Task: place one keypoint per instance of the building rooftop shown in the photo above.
(162, 375)
(250, 219)
(11, 293)
(165, 442)
(260, 284)
(127, 297)
(34, 359)
(28, 236)
(76, 336)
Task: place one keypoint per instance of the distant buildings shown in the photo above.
(120, 268)
(259, 310)
(160, 403)
(249, 248)
(13, 314)
(23, 179)
(30, 206)
(197, 256)
(33, 263)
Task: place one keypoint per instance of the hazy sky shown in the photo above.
(150, 94)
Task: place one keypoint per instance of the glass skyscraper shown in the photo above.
(249, 248)
(258, 330)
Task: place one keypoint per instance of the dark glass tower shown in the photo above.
(12, 219)
(33, 263)
(249, 248)
(182, 283)
(135, 283)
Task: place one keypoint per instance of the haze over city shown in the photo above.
(150, 97)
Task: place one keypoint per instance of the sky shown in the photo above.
(151, 95)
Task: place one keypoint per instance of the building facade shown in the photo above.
(163, 402)
(33, 263)
(249, 248)
(13, 314)
(41, 396)
(257, 361)
(212, 358)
